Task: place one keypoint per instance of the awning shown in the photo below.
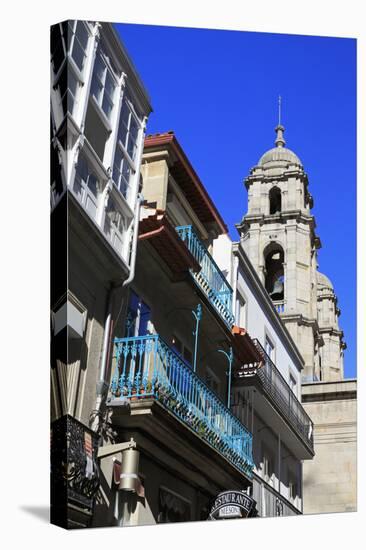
(245, 349)
(166, 241)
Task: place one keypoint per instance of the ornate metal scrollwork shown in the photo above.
(74, 469)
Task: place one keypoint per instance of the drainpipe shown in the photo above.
(234, 282)
(101, 384)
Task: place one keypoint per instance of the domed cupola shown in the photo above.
(279, 156)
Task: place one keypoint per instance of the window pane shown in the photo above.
(68, 29)
(126, 170)
(78, 188)
(93, 185)
(82, 34)
(125, 113)
(107, 105)
(82, 168)
(123, 124)
(62, 82)
(96, 89)
(70, 102)
(125, 179)
(78, 55)
(71, 82)
(116, 174)
(86, 177)
(132, 138)
(99, 68)
(109, 85)
(57, 50)
(117, 166)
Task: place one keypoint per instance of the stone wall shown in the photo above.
(330, 479)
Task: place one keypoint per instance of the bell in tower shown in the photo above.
(274, 273)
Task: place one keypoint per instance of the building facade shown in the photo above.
(175, 345)
(330, 480)
(99, 109)
(161, 401)
(269, 395)
(278, 235)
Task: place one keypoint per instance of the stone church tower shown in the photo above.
(278, 235)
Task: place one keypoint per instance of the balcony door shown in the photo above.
(138, 317)
(137, 363)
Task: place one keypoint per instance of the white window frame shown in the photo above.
(69, 65)
(269, 340)
(106, 71)
(241, 310)
(121, 148)
(116, 234)
(87, 194)
(73, 38)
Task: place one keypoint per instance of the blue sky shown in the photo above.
(218, 91)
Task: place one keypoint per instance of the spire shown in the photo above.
(279, 110)
(280, 140)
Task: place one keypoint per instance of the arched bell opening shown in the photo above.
(274, 258)
(275, 200)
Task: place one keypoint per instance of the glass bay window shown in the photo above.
(69, 41)
(124, 166)
(103, 85)
(77, 41)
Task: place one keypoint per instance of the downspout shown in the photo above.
(234, 283)
(101, 384)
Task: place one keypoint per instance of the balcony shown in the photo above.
(210, 278)
(279, 306)
(278, 393)
(105, 205)
(147, 368)
(269, 502)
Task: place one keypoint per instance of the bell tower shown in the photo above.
(278, 235)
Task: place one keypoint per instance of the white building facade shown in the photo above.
(269, 397)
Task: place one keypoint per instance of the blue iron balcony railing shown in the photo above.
(146, 367)
(210, 278)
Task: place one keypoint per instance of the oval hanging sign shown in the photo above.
(233, 504)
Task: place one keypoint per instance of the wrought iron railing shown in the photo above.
(210, 278)
(279, 306)
(74, 470)
(269, 502)
(147, 367)
(284, 398)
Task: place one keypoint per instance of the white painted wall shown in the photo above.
(258, 324)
